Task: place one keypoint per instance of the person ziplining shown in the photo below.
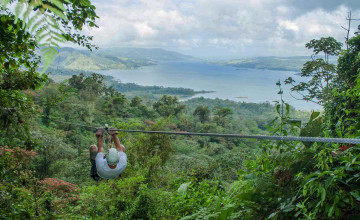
(113, 164)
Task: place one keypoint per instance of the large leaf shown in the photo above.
(226, 212)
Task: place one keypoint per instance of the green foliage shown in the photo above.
(221, 115)
(329, 46)
(343, 106)
(317, 89)
(53, 22)
(203, 113)
(179, 177)
(313, 128)
(24, 195)
(18, 73)
(168, 105)
(190, 201)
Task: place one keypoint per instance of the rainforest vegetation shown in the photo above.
(44, 157)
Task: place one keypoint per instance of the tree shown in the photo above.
(18, 60)
(203, 113)
(136, 101)
(342, 108)
(18, 63)
(221, 115)
(53, 22)
(168, 105)
(317, 89)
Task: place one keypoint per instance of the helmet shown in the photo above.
(112, 156)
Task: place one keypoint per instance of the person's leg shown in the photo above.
(93, 171)
(93, 152)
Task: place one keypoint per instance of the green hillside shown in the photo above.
(113, 58)
(73, 59)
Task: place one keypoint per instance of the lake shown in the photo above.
(245, 85)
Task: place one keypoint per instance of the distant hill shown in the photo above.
(271, 63)
(155, 54)
(113, 58)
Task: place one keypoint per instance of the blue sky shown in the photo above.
(222, 29)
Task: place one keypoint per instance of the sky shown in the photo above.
(222, 29)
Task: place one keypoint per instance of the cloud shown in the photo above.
(327, 5)
(221, 28)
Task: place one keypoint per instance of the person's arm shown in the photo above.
(100, 144)
(99, 135)
(118, 146)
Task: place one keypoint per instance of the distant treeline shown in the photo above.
(130, 87)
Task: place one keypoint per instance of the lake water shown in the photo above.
(245, 85)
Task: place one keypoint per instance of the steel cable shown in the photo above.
(259, 137)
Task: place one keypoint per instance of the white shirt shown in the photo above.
(103, 169)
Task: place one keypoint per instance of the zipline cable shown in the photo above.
(70, 123)
(260, 137)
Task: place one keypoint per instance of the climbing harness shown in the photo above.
(259, 137)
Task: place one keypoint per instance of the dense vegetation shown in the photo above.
(44, 160)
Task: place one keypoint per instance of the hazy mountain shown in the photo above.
(113, 58)
(271, 63)
(155, 54)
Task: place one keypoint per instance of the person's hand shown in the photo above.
(112, 131)
(100, 132)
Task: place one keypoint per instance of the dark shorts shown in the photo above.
(93, 171)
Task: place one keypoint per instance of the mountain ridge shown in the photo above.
(114, 58)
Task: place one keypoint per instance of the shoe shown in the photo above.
(111, 132)
(100, 132)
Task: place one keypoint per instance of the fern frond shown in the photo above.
(31, 21)
(4, 3)
(53, 23)
(55, 11)
(25, 17)
(43, 38)
(51, 20)
(59, 37)
(38, 24)
(58, 4)
(54, 44)
(48, 54)
(40, 33)
(18, 10)
(56, 39)
(36, 3)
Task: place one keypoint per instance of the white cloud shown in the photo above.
(144, 30)
(240, 27)
(289, 25)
